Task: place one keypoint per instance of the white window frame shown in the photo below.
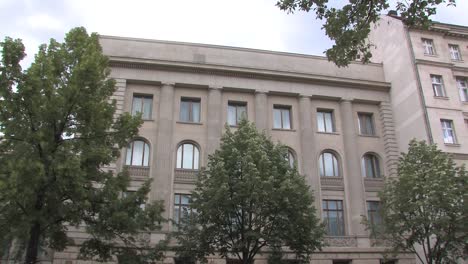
(448, 131)
(428, 45)
(455, 52)
(462, 84)
(438, 85)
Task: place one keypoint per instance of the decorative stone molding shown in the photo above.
(380, 242)
(373, 184)
(341, 241)
(332, 183)
(185, 176)
(138, 171)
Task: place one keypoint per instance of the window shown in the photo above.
(290, 158)
(190, 110)
(132, 195)
(328, 165)
(373, 213)
(138, 153)
(333, 217)
(371, 166)
(438, 86)
(142, 104)
(366, 124)
(341, 261)
(448, 131)
(428, 45)
(236, 111)
(181, 207)
(188, 156)
(282, 117)
(463, 89)
(325, 121)
(455, 52)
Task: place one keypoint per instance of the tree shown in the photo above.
(247, 199)
(58, 131)
(426, 205)
(350, 25)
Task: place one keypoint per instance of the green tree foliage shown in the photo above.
(349, 26)
(426, 205)
(58, 131)
(247, 199)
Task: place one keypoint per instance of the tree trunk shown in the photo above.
(33, 244)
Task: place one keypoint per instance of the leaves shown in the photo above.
(58, 132)
(349, 26)
(426, 204)
(249, 198)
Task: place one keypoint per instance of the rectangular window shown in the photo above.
(142, 104)
(325, 121)
(448, 131)
(181, 206)
(342, 261)
(462, 89)
(373, 213)
(366, 124)
(438, 85)
(333, 217)
(455, 52)
(428, 45)
(282, 117)
(236, 111)
(190, 110)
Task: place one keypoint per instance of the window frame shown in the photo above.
(283, 108)
(428, 45)
(451, 128)
(191, 102)
(462, 85)
(339, 213)
(335, 161)
(237, 104)
(438, 81)
(375, 166)
(362, 126)
(132, 143)
(455, 53)
(291, 154)
(372, 212)
(195, 147)
(323, 112)
(142, 97)
(180, 206)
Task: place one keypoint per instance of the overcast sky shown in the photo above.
(243, 23)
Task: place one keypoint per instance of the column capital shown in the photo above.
(214, 88)
(260, 92)
(303, 96)
(167, 84)
(346, 100)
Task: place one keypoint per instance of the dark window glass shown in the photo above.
(181, 206)
(366, 124)
(190, 110)
(333, 217)
(371, 166)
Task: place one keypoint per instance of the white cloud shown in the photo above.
(44, 22)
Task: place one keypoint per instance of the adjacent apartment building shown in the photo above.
(337, 123)
(428, 72)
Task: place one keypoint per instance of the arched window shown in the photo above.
(291, 158)
(188, 156)
(371, 166)
(328, 165)
(138, 152)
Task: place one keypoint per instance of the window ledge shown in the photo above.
(283, 129)
(452, 144)
(441, 97)
(366, 135)
(189, 123)
(328, 133)
(147, 120)
(457, 61)
(431, 55)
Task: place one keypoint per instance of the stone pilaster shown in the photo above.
(309, 150)
(389, 137)
(164, 150)
(119, 97)
(354, 188)
(214, 123)
(261, 111)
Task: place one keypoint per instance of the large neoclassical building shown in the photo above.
(337, 123)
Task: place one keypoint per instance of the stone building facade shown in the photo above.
(337, 122)
(428, 72)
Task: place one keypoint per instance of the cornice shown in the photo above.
(449, 65)
(181, 66)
